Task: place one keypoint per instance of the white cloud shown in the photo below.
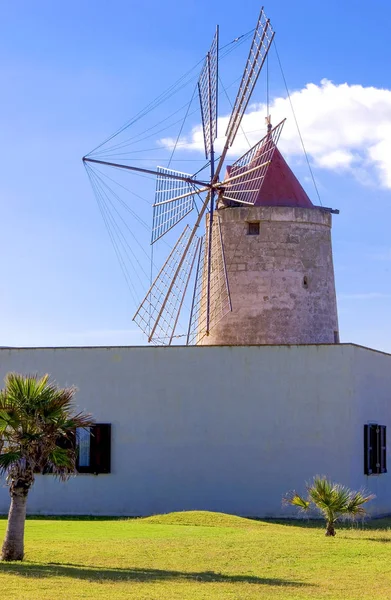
(344, 127)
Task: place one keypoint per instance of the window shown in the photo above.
(94, 449)
(375, 448)
(253, 229)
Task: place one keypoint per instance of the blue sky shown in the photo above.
(73, 73)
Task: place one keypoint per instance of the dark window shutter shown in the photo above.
(375, 445)
(101, 448)
(368, 451)
(383, 449)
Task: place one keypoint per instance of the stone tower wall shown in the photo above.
(281, 281)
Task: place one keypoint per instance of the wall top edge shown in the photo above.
(192, 348)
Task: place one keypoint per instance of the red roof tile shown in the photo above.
(281, 187)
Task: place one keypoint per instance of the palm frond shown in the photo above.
(80, 420)
(294, 499)
(327, 496)
(61, 457)
(8, 412)
(354, 507)
(8, 459)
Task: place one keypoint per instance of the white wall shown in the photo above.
(217, 428)
(372, 394)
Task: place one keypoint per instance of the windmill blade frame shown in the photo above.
(158, 314)
(140, 316)
(208, 95)
(171, 206)
(263, 37)
(247, 174)
(175, 193)
(207, 312)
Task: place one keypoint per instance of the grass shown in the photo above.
(197, 556)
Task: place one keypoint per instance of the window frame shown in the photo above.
(99, 451)
(257, 226)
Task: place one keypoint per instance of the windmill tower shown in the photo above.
(257, 263)
(279, 267)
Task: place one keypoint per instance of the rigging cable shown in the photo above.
(182, 126)
(122, 239)
(163, 97)
(126, 143)
(297, 124)
(231, 105)
(113, 241)
(122, 219)
(96, 172)
(135, 215)
(267, 88)
(169, 92)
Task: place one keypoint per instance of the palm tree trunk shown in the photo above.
(330, 531)
(13, 546)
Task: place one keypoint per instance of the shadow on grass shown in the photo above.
(71, 518)
(96, 574)
(382, 540)
(382, 523)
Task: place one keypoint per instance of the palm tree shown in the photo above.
(332, 500)
(37, 435)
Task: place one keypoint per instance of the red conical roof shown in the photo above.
(281, 187)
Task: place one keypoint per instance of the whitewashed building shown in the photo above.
(216, 428)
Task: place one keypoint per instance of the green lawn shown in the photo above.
(197, 555)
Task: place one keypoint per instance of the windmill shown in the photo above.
(200, 249)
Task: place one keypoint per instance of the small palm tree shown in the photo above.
(37, 435)
(332, 500)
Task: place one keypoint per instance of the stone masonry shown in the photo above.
(281, 280)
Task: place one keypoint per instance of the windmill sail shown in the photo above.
(263, 37)
(207, 311)
(174, 199)
(247, 174)
(175, 192)
(207, 89)
(158, 314)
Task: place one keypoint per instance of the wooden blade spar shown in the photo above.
(147, 171)
(208, 95)
(260, 46)
(263, 37)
